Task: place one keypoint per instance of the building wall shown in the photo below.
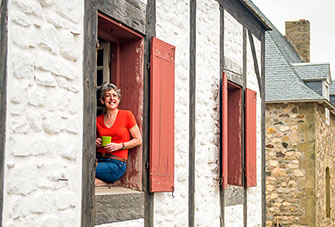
(324, 157)
(172, 26)
(43, 149)
(207, 114)
(290, 165)
(254, 194)
(233, 59)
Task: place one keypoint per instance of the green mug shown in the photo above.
(105, 140)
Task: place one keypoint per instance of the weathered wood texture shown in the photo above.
(192, 84)
(222, 192)
(129, 12)
(150, 32)
(119, 207)
(244, 192)
(254, 56)
(243, 15)
(89, 113)
(3, 94)
(263, 158)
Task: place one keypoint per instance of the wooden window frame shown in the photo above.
(126, 69)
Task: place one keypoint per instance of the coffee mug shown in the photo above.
(105, 140)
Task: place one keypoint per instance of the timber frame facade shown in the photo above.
(144, 23)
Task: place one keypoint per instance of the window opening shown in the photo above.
(120, 54)
(103, 69)
(327, 193)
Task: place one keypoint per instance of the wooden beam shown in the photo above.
(263, 158)
(254, 56)
(222, 197)
(129, 12)
(150, 32)
(89, 114)
(3, 94)
(192, 87)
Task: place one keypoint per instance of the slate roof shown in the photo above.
(282, 82)
(312, 71)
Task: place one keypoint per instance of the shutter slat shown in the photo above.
(161, 168)
(250, 138)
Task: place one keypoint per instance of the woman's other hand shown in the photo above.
(111, 147)
(98, 142)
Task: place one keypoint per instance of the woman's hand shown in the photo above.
(111, 147)
(98, 142)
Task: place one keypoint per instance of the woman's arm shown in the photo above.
(136, 138)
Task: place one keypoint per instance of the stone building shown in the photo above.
(203, 59)
(300, 120)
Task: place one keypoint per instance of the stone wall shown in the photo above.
(43, 150)
(290, 178)
(325, 157)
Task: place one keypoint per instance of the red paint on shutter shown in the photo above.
(250, 138)
(234, 135)
(224, 130)
(161, 116)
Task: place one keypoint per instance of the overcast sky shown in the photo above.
(321, 15)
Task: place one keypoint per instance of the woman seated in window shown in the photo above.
(121, 128)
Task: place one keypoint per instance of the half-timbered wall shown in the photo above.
(46, 104)
(172, 26)
(43, 149)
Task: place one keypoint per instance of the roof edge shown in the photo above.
(256, 14)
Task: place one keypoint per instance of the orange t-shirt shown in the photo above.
(119, 131)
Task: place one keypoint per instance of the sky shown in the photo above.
(321, 15)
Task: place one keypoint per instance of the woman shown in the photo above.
(121, 126)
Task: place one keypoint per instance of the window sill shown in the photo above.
(117, 203)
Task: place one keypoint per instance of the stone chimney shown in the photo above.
(298, 34)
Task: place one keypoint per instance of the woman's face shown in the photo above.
(111, 99)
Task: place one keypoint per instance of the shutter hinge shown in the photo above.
(147, 165)
(148, 65)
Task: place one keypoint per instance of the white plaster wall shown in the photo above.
(233, 50)
(172, 26)
(233, 216)
(233, 41)
(207, 189)
(43, 149)
(254, 194)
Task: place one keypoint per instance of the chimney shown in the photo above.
(298, 34)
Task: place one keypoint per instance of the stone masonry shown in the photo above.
(289, 145)
(324, 157)
(299, 148)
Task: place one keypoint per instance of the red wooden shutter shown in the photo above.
(224, 130)
(161, 116)
(234, 135)
(250, 138)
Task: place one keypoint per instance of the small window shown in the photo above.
(327, 193)
(120, 54)
(232, 166)
(327, 115)
(103, 69)
(326, 91)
